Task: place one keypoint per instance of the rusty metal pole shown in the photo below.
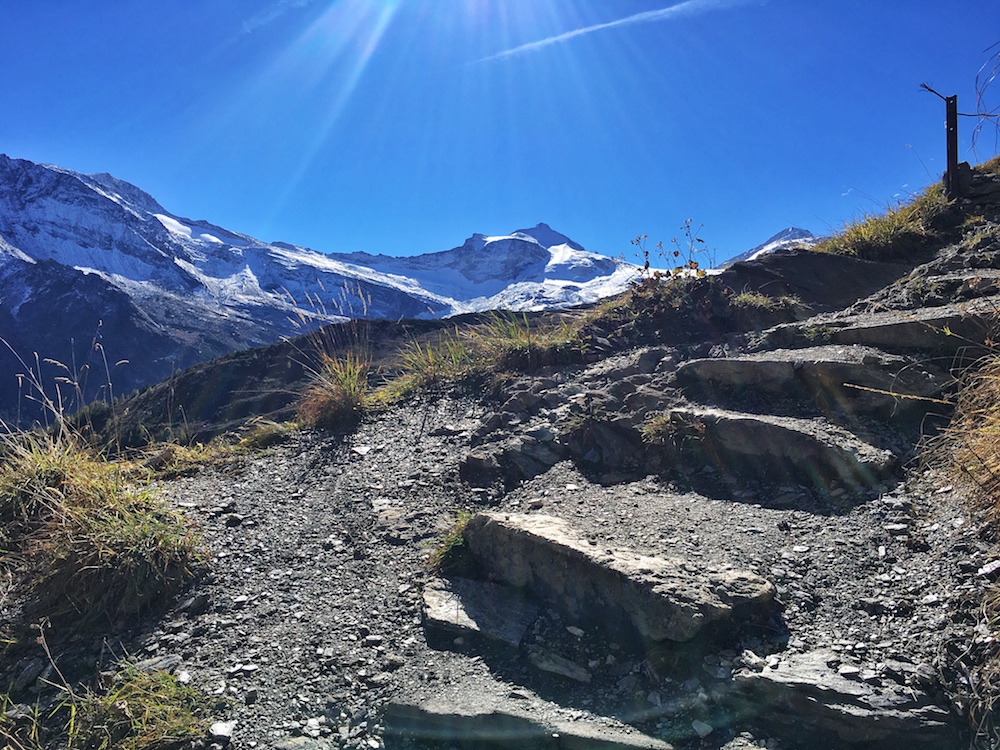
(951, 187)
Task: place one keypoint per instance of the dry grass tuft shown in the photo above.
(897, 232)
(336, 397)
(975, 436)
(99, 544)
(991, 167)
(37, 472)
(971, 448)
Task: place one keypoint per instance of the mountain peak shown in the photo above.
(547, 237)
(787, 237)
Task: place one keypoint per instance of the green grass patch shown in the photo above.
(112, 561)
(140, 711)
(451, 355)
(346, 386)
(448, 552)
(752, 300)
(511, 341)
(24, 727)
(898, 231)
(98, 543)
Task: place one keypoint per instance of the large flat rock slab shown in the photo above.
(849, 380)
(944, 330)
(774, 450)
(811, 693)
(478, 609)
(467, 715)
(663, 598)
(821, 280)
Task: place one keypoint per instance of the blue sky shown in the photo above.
(403, 126)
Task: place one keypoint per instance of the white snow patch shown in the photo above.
(190, 232)
(7, 249)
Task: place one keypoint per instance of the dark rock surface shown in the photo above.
(825, 695)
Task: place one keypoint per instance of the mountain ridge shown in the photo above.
(161, 291)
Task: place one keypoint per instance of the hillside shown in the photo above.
(694, 516)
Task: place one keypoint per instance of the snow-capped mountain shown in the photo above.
(789, 237)
(88, 259)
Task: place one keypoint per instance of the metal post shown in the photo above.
(951, 188)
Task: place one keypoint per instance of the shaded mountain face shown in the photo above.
(94, 272)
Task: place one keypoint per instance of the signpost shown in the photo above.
(951, 187)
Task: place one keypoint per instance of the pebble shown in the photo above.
(222, 731)
(701, 728)
(989, 569)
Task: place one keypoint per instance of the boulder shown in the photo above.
(815, 693)
(849, 381)
(492, 716)
(773, 450)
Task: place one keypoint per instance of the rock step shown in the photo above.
(495, 716)
(661, 598)
(478, 610)
(945, 330)
(836, 704)
(836, 381)
(773, 450)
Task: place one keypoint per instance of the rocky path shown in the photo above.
(726, 546)
(313, 624)
(319, 618)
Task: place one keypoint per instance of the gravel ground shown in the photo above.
(310, 620)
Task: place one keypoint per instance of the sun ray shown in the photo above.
(369, 23)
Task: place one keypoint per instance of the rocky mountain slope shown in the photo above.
(128, 282)
(716, 537)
